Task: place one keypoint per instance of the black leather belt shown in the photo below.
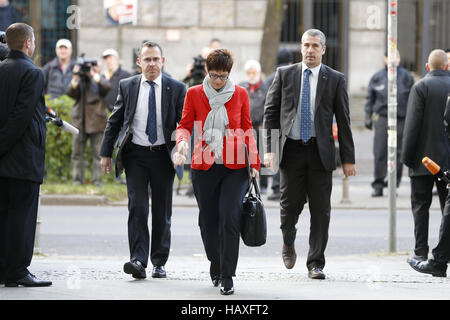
(160, 147)
(303, 143)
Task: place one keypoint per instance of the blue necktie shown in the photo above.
(305, 129)
(150, 130)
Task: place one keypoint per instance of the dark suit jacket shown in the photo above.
(447, 116)
(424, 134)
(119, 123)
(22, 119)
(331, 99)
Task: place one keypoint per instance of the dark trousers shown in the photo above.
(421, 197)
(19, 200)
(441, 253)
(380, 151)
(303, 178)
(219, 192)
(78, 150)
(142, 167)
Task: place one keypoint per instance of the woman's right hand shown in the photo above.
(178, 159)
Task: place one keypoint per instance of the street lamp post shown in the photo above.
(392, 121)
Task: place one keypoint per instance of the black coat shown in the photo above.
(22, 119)
(424, 134)
(447, 116)
(331, 100)
(119, 123)
(377, 92)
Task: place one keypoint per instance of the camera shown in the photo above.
(197, 73)
(85, 65)
(4, 50)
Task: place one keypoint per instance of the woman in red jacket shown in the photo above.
(220, 110)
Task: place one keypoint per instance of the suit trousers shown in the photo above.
(303, 178)
(421, 197)
(380, 151)
(78, 151)
(142, 167)
(441, 253)
(19, 200)
(219, 192)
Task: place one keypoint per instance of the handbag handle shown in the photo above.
(252, 181)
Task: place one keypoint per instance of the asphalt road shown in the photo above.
(102, 231)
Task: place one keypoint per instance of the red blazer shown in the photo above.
(196, 109)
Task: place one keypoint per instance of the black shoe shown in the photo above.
(28, 281)
(190, 192)
(316, 273)
(136, 269)
(274, 196)
(428, 268)
(377, 192)
(417, 259)
(214, 272)
(226, 288)
(159, 272)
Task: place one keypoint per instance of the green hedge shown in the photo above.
(59, 142)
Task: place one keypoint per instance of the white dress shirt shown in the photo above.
(313, 80)
(140, 118)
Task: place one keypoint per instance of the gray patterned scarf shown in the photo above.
(216, 122)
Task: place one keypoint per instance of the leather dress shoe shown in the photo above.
(428, 268)
(316, 273)
(159, 272)
(28, 281)
(289, 256)
(136, 269)
(226, 288)
(378, 192)
(417, 259)
(214, 272)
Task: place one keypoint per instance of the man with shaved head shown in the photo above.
(425, 136)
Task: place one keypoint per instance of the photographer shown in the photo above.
(22, 155)
(3, 47)
(89, 89)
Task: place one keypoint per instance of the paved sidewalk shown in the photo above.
(356, 277)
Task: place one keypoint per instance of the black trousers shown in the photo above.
(19, 200)
(142, 167)
(421, 197)
(441, 253)
(219, 192)
(380, 151)
(303, 178)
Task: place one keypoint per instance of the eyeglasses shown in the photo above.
(216, 77)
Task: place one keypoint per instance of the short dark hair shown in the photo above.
(17, 34)
(150, 44)
(219, 60)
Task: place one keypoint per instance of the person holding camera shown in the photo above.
(22, 156)
(89, 89)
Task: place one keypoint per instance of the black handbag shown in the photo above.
(253, 217)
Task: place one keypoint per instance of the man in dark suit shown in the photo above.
(22, 156)
(425, 136)
(146, 112)
(299, 110)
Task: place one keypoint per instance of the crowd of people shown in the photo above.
(298, 104)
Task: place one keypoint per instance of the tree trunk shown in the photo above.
(271, 36)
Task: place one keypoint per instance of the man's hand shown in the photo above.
(349, 169)
(76, 72)
(106, 165)
(270, 161)
(368, 122)
(255, 173)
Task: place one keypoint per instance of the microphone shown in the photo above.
(52, 116)
(435, 170)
